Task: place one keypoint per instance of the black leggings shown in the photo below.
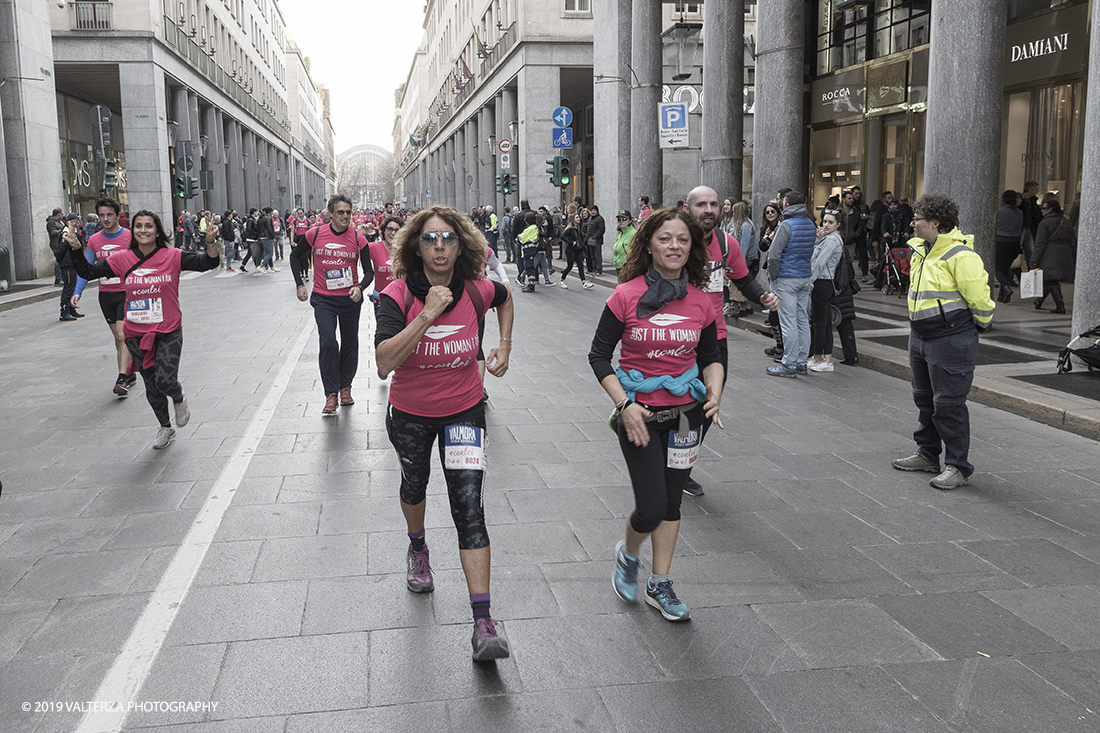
(658, 489)
(573, 256)
(412, 439)
(163, 380)
(821, 317)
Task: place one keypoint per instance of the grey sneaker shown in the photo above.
(693, 488)
(164, 437)
(917, 462)
(487, 642)
(951, 478)
(419, 575)
(183, 412)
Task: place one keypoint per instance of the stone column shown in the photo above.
(539, 94)
(473, 164)
(251, 180)
(487, 141)
(31, 151)
(199, 202)
(216, 158)
(235, 169)
(962, 147)
(144, 111)
(611, 106)
(646, 160)
(1086, 296)
(723, 89)
(778, 122)
(509, 127)
(464, 198)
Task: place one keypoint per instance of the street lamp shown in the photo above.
(680, 47)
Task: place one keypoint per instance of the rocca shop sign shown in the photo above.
(1050, 45)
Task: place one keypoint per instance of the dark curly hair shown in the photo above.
(939, 207)
(638, 258)
(470, 264)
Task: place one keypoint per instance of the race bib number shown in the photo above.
(336, 279)
(683, 448)
(144, 311)
(464, 448)
(717, 277)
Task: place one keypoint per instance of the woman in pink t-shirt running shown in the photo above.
(429, 328)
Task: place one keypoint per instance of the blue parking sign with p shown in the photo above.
(673, 116)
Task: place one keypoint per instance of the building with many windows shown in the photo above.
(480, 97)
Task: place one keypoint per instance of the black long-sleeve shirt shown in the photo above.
(193, 261)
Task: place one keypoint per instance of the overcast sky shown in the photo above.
(361, 51)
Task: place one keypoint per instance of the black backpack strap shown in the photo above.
(142, 259)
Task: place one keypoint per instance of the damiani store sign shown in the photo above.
(1050, 45)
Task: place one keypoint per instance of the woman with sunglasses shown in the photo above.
(769, 225)
(150, 271)
(667, 333)
(428, 334)
(335, 250)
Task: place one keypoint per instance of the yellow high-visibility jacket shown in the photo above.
(948, 287)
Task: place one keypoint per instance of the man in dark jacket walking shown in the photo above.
(597, 227)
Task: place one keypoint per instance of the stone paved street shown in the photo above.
(828, 592)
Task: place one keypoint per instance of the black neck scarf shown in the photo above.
(661, 292)
(417, 283)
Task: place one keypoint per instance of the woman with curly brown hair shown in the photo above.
(666, 326)
(429, 333)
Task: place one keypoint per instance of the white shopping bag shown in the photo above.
(1031, 284)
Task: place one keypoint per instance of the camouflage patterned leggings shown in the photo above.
(163, 380)
(413, 442)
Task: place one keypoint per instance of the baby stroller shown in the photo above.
(1085, 347)
(894, 276)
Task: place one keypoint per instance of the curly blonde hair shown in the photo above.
(470, 264)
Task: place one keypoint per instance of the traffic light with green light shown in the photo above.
(553, 167)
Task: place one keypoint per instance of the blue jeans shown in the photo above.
(269, 251)
(538, 259)
(794, 318)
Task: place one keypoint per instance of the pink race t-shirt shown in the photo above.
(440, 376)
(383, 265)
(152, 291)
(335, 259)
(663, 343)
(734, 268)
(106, 246)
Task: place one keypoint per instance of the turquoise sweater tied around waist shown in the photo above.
(634, 382)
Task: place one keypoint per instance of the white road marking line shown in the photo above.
(127, 675)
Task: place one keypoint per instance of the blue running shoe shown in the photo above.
(625, 580)
(664, 599)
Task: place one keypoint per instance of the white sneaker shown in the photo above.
(183, 412)
(587, 285)
(164, 437)
(820, 366)
(563, 286)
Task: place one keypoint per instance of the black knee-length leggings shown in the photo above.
(658, 489)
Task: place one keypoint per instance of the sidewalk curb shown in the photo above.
(11, 301)
(1077, 415)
